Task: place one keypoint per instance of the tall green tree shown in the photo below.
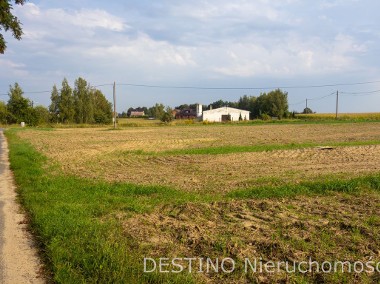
(83, 99)
(247, 103)
(260, 106)
(54, 107)
(66, 103)
(9, 22)
(277, 101)
(102, 107)
(157, 110)
(17, 105)
(274, 103)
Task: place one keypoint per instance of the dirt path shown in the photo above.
(19, 262)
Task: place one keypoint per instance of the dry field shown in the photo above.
(330, 227)
(342, 116)
(142, 155)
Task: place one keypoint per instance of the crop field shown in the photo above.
(102, 200)
(341, 116)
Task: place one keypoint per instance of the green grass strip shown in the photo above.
(250, 148)
(350, 186)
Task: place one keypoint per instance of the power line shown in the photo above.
(221, 88)
(360, 93)
(313, 99)
(320, 98)
(246, 88)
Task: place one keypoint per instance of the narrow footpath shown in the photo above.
(19, 262)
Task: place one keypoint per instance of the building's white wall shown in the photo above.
(215, 115)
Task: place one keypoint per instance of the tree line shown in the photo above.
(272, 104)
(80, 104)
(264, 106)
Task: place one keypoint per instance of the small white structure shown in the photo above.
(199, 111)
(225, 114)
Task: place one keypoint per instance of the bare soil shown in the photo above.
(328, 228)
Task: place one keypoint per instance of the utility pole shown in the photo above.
(114, 105)
(337, 103)
(306, 103)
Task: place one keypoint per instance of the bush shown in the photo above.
(166, 117)
(265, 117)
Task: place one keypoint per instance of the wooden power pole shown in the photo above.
(114, 105)
(337, 103)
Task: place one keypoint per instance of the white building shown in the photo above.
(224, 114)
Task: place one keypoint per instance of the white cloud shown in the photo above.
(147, 51)
(328, 4)
(10, 68)
(292, 55)
(54, 23)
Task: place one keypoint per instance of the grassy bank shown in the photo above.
(80, 223)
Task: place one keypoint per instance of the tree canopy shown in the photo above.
(9, 22)
(83, 104)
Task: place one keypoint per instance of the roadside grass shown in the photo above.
(81, 243)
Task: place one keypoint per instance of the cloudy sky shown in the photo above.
(311, 49)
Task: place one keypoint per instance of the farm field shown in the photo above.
(275, 192)
(180, 156)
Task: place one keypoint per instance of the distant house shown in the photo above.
(135, 113)
(186, 114)
(225, 114)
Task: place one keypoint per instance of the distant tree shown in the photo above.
(84, 109)
(219, 103)
(129, 111)
(66, 103)
(54, 107)
(247, 103)
(167, 117)
(182, 107)
(307, 110)
(9, 22)
(277, 103)
(17, 105)
(39, 115)
(157, 110)
(102, 108)
(3, 113)
(274, 103)
(260, 106)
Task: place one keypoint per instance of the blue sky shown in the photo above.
(234, 44)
